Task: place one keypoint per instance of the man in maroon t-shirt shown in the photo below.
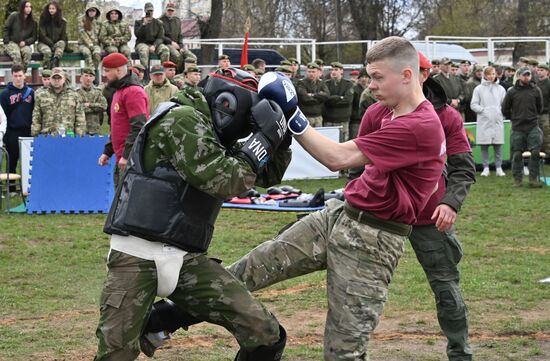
(360, 241)
(433, 239)
(129, 111)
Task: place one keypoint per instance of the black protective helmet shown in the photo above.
(231, 93)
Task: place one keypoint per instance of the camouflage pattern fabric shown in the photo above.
(17, 54)
(205, 290)
(545, 126)
(94, 104)
(51, 111)
(439, 254)
(359, 260)
(521, 141)
(143, 51)
(47, 51)
(88, 42)
(114, 36)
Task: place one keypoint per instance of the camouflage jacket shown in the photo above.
(53, 110)
(94, 104)
(114, 33)
(150, 34)
(185, 138)
(88, 38)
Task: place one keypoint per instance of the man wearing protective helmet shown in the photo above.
(185, 161)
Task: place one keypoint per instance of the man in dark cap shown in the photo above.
(451, 86)
(464, 72)
(93, 101)
(224, 62)
(507, 80)
(312, 94)
(295, 67)
(192, 77)
(129, 111)
(337, 109)
(173, 36)
(159, 89)
(150, 37)
(436, 64)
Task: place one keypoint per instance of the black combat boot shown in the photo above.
(55, 62)
(265, 353)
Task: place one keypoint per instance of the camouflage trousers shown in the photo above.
(57, 51)
(359, 260)
(315, 121)
(544, 122)
(179, 55)
(17, 54)
(92, 56)
(344, 131)
(123, 49)
(161, 50)
(439, 254)
(521, 141)
(204, 289)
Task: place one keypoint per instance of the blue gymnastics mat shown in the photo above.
(65, 176)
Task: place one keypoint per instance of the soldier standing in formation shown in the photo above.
(312, 94)
(58, 110)
(93, 101)
(337, 109)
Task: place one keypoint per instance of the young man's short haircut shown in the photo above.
(256, 62)
(15, 68)
(397, 50)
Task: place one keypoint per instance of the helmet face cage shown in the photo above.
(231, 93)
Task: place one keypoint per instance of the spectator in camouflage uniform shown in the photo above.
(58, 109)
(522, 105)
(173, 37)
(93, 101)
(150, 37)
(46, 79)
(544, 85)
(52, 35)
(88, 36)
(207, 168)
(312, 94)
(115, 34)
(337, 110)
(20, 32)
(159, 88)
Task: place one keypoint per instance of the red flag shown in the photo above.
(244, 53)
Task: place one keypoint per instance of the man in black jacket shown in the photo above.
(522, 105)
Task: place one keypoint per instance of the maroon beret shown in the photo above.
(169, 64)
(114, 60)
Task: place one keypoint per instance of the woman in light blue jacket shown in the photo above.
(486, 102)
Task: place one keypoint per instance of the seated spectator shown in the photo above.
(159, 88)
(150, 37)
(115, 34)
(20, 32)
(88, 36)
(52, 35)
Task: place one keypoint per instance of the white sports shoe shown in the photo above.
(500, 172)
(485, 172)
(525, 170)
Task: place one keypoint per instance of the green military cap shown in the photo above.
(313, 66)
(293, 61)
(284, 69)
(478, 67)
(446, 61)
(436, 62)
(223, 57)
(510, 68)
(544, 66)
(58, 72)
(466, 62)
(191, 60)
(319, 62)
(524, 59)
(532, 61)
(46, 73)
(148, 6)
(88, 70)
(249, 67)
(337, 64)
(157, 69)
(139, 67)
(454, 65)
(363, 72)
(286, 62)
(192, 69)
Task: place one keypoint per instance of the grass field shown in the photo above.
(52, 269)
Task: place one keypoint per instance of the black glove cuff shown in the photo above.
(256, 151)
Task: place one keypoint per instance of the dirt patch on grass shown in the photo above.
(50, 317)
(290, 290)
(539, 250)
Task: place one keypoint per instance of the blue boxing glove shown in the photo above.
(278, 87)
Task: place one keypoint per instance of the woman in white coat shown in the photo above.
(486, 102)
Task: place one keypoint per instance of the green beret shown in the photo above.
(313, 66)
(284, 69)
(293, 61)
(139, 67)
(259, 71)
(511, 68)
(436, 62)
(249, 67)
(223, 57)
(532, 61)
(193, 60)
(544, 66)
(337, 65)
(446, 61)
(453, 65)
(466, 62)
(192, 69)
(478, 67)
(285, 62)
(88, 70)
(524, 59)
(46, 73)
(319, 62)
